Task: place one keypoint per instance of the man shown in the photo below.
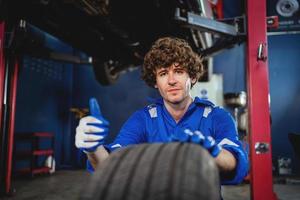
(173, 68)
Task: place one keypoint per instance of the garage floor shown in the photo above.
(69, 184)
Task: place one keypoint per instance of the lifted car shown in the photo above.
(115, 33)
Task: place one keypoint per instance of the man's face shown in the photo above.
(173, 83)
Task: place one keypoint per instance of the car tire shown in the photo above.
(104, 72)
(156, 171)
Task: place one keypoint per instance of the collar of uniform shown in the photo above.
(204, 102)
(171, 120)
(168, 116)
(197, 101)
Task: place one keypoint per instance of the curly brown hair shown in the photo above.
(167, 51)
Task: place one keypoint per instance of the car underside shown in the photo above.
(115, 33)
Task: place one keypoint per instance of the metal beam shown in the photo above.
(195, 21)
(229, 35)
(210, 25)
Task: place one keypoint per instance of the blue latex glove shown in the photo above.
(92, 130)
(197, 137)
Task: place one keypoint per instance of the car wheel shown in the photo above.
(106, 72)
(156, 171)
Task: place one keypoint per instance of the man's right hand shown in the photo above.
(92, 130)
(197, 137)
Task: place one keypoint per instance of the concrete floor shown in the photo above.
(65, 185)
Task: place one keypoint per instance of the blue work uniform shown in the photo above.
(154, 124)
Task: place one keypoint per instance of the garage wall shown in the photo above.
(231, 63)
(48, 89)
(44, 98)
(284, 70)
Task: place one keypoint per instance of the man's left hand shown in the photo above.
(197, 137)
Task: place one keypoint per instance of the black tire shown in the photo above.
(104, 72)
(156, 171)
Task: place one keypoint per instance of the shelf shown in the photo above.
(26, 154)
(33, 153)
(43, 134)
(30, 136)
(43, 152)
(34, 170)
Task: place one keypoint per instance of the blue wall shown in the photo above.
(231, 63)
(44, 99)
(284, 73)
(284, 70)
(48, 89)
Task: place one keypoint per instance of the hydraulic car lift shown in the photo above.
(257, 81)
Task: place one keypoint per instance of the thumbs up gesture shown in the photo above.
(92, 130)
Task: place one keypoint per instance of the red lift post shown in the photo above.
(2, 83)
(258, 90)
(8, 89)
(1, 67)
(11, 128)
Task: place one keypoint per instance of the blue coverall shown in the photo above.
(155, 124)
